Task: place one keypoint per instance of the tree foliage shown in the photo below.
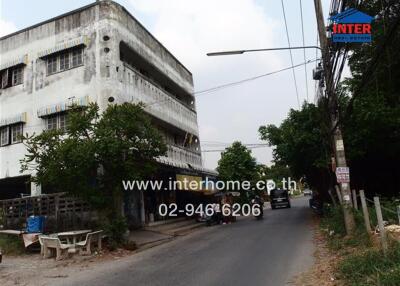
(301, 142)
(237, 164)
(371, 131)
(95, 153)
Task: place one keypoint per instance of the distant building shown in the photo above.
(98, 53)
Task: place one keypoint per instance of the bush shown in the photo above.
(11, 245)
(115, 230)
(332, 220)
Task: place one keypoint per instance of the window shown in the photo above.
(65, 60)
(17, 74)
(57, 121)
(77, 57)
(5, 136)
(4, 79)
(12, 76)
(62, 121)
(51, 65)
(16, 133)
(52, 123)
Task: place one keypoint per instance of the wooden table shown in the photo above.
(74, 235)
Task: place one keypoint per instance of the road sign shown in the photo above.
(343, 174)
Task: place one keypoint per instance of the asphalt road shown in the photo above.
(248, 252)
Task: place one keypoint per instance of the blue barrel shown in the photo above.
(35, 224)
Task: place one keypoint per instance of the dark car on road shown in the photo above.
(279, 198)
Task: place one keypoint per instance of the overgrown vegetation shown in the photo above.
(11, 246)
(362, 263)
(372, 268)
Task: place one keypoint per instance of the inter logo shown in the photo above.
(351, 26)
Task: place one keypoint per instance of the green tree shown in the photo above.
(237, 164)
(95, 153)
(371, 130)
(302, 143)
(276, 173)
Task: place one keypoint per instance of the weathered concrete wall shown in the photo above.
(102, 76)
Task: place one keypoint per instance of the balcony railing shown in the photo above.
(180, 157)
(158, 102)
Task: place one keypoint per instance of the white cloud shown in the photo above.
(6, 27)
(190, 29)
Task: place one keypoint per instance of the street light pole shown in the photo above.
(239, 52)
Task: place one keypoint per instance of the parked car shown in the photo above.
(307, 192)
(279, 198)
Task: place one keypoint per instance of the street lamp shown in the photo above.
(239, 52)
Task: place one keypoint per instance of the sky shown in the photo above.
(191, 28)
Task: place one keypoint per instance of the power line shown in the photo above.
(304, 50)
(291, 55)
(197, 93)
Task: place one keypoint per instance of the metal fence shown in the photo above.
(383, 216)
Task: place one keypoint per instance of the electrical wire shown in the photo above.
(197, 93)
(304, 50)
(290, 52)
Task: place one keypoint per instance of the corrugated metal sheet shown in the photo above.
(62, 106)
(6, 63)
(20, 118)
(64, 46)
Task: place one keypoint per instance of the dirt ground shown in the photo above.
(31, 269)
(322, 273)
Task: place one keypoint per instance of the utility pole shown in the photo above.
(334, 117)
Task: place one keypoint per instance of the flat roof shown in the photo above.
(85, 8)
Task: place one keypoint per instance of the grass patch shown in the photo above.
(11, 245)
(333, 224)
(372, 268)
(362, 264)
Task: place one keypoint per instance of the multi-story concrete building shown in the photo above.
(98, 53)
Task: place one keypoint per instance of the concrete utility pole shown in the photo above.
(334, 117)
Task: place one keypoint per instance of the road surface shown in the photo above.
(248, 252)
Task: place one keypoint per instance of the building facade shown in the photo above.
(98, 53)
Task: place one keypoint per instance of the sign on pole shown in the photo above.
(343, 174)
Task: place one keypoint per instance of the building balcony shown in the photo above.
(182, 158)
(159, 103)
